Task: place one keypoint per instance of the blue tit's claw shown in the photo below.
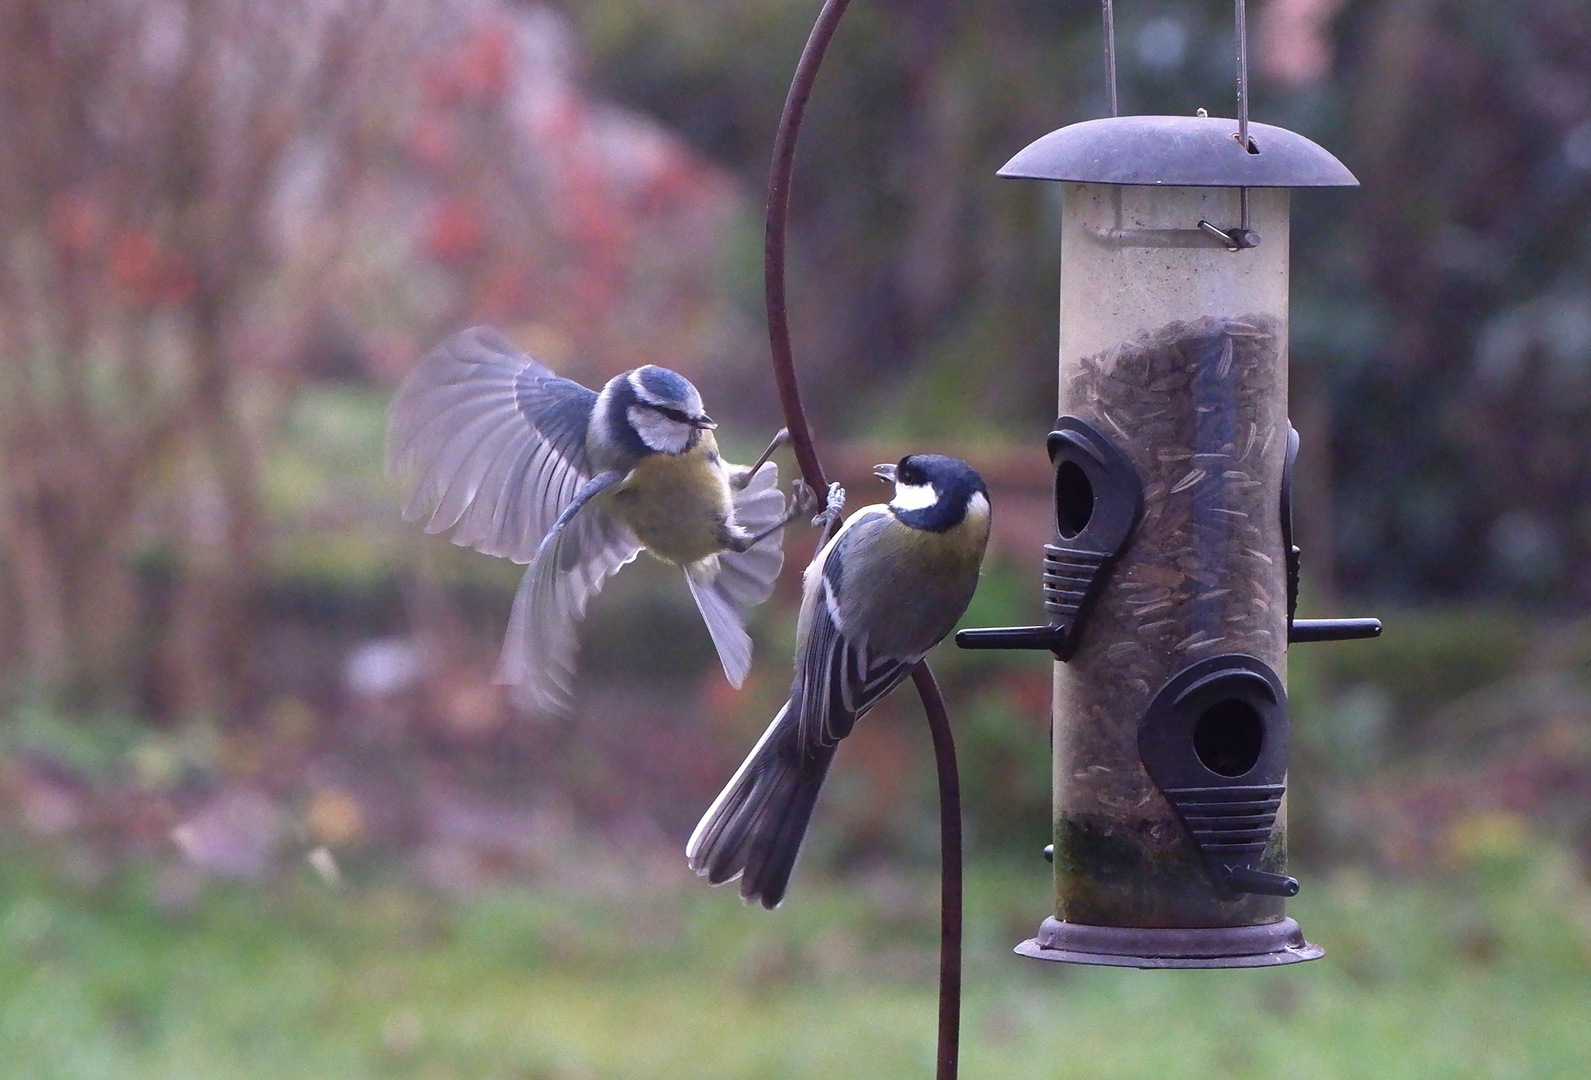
(832, 510)
(803, 500)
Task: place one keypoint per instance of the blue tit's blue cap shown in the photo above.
(665, 385)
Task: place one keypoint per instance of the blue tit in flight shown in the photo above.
(525, 465)
(889, 585)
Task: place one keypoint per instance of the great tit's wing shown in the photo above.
(492, 444)
(839, 675)
(539, 649)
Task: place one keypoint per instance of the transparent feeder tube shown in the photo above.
(1175, 348)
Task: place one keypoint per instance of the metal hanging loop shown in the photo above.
(1241, 237)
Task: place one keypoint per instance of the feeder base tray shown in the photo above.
(1207, 947)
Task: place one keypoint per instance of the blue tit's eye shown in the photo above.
(673, 414)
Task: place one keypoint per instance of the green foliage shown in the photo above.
(334, 518)
(93, 747)
(1480, 975)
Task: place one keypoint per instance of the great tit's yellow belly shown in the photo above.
(678, 505)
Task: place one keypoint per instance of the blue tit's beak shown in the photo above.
(885, 473)
(704, 422)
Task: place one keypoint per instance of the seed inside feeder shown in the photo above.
(1195, 404)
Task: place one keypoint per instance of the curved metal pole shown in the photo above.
(784, 147)
(949, 872)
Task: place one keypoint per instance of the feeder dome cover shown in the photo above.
(1181, 151)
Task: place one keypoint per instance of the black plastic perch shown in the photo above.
(1171, 579)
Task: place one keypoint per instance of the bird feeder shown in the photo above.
(1170, 581)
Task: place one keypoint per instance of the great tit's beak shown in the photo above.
(704, 422)
(885, 473)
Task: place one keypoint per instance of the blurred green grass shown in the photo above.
(1484, 972)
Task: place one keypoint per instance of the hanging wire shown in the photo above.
(784, 148)
(1243, 236)
(1110, 57)
(1241, 31)
(1241, 15)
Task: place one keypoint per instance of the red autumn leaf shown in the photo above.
(456, 232)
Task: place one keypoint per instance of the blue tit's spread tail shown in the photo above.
(755, 828)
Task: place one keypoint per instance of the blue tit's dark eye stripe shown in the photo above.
(672, 414)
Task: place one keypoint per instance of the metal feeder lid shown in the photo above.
(1178, 151)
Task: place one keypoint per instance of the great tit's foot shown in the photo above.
(833, 507)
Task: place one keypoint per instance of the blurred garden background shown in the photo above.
(262, 813)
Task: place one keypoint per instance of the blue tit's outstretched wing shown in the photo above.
(492, 444)
(726, 585)
(539, 648)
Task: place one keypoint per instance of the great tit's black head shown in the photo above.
(656, 410)
(934, 492)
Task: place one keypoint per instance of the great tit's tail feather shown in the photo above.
(723, 618)
(708, 834)
(775, 834)
(755, 828)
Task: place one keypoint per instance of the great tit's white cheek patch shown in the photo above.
(978, 505)
(658, 432)
(914, 496)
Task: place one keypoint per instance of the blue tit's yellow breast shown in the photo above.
(678, 505)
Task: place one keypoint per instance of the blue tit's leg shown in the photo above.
(742, 478)
(593, 487)
(803, 501)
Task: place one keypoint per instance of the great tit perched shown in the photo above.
(526, 465)
(889, 585)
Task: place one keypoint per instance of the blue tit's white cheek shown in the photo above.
(914, 497)
(658, 432)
